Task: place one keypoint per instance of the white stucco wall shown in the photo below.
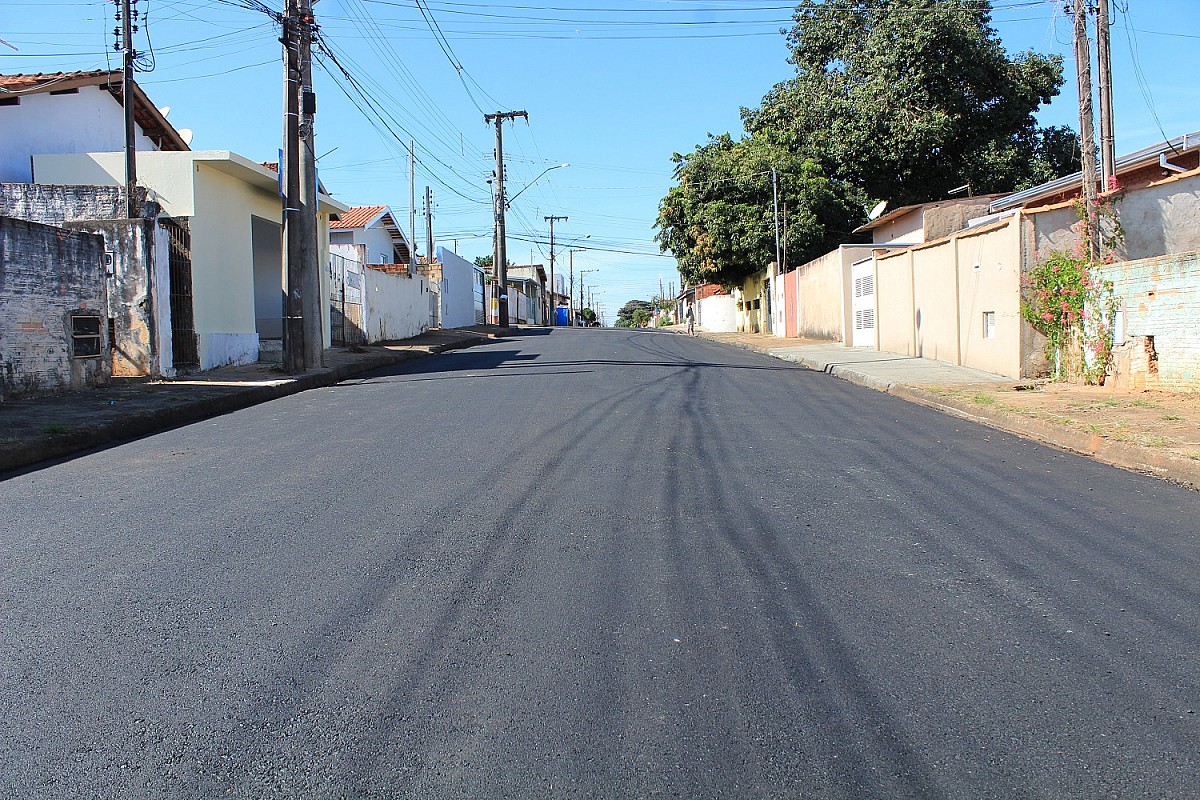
(377, 240)
(905, 229)
(457, 290)
(88, 122)
(718, 314)
(397, 307)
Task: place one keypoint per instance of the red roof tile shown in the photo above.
(357, 217)
(151, 120)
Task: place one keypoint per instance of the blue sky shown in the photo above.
(613, 87)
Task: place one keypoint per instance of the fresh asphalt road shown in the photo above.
(597, 564)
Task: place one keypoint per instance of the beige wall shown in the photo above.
(906, 229)
(168, 175)
(894, 302)
(990, 281)
(931, 299)
(820, 289)
(934, 308)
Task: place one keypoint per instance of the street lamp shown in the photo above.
(509, 201)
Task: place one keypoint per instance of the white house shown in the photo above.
(376, 230)
(74, 112)
(233, 212)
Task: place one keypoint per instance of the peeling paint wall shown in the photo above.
(1160, 301)
(131, 244)
(48, 275)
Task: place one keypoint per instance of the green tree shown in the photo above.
(908, 99)
(719, 220)
(628, 315)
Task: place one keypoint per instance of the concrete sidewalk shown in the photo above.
(37, 429)
(1152, 432)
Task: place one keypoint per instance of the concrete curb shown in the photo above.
(24, 453)
(1126, 455)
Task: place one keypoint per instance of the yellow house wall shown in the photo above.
(894, 302)
(222, 251)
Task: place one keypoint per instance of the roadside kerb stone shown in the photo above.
(28, 451)
(907, 377)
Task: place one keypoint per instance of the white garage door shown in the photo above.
(863, 275)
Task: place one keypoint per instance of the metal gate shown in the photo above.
(185, 352)
(863, 276)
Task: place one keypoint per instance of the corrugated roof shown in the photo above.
(148, 117)
(357, 217)
(1140, 158)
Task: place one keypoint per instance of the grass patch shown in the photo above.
(1157, 441)
(1172, 418)
(56, 429)
(1144, 404)
(985, 399)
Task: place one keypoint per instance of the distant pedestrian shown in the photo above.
(690, 316)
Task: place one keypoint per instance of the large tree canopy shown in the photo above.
(719, 221)
(911, 98)
(897, 100)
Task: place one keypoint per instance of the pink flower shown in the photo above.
(1048, 316)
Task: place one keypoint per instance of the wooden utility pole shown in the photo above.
(552, 305)
(1108, 154)
(1087, 134)
(315, 307)
(293, 329)
(429, 223)
(129, 101)
(412, 207)
(501, 254)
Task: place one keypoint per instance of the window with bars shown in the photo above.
(85, 336)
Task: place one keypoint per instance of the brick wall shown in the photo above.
(46, 276)
(1160, 302)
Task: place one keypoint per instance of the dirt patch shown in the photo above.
(1164, 421)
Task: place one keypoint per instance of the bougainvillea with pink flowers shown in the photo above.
(1066, 299)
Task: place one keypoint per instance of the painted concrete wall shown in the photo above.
(934, 307)
(397, 306)
(223, 265)
(376, 240)
(457, 289)
(1160, 300)
(168, 175)
(817, 305)
(894, 302)
(990, 281)
(46, 276)
(906, 229)
(86, 122)
(717, 313)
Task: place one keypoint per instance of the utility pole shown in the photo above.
(128, 101)
(553, 305)
(571, 318)
(314, 305)
(1087, 135)
(775, 198)
(1108, 155)
(293, 339)
(412, 207)
(501, 256)
(429, 223)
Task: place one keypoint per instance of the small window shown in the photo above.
(989, 324)
(85, 336)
